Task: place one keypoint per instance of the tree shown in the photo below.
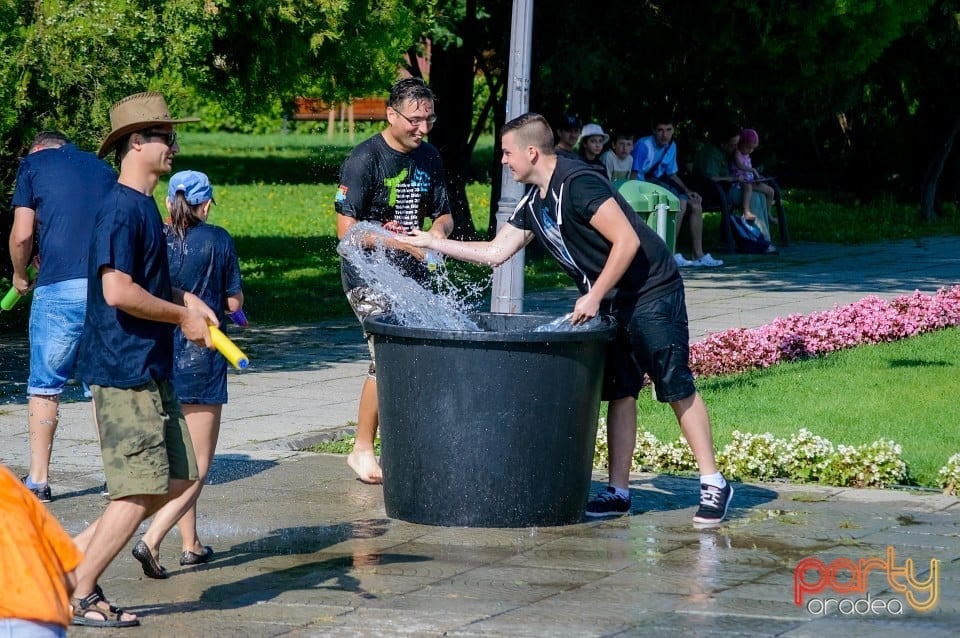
(64, 62)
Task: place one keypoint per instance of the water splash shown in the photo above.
(563, 324)
(413, 305)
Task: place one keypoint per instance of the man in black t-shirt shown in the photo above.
(623, 269)
(394, 179)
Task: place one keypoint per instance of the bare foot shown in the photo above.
(364, 463)
(749, 217)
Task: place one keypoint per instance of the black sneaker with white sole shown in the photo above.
(608, 503)
(714, 503)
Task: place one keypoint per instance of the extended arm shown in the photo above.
(508, 241)
(193, 317)
(611, 222)
(344, 223)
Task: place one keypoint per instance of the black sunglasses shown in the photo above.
(169, 137)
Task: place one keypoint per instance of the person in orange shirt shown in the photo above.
(37, 559)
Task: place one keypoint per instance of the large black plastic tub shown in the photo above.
(487, 429)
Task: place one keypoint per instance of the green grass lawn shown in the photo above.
(905, 391)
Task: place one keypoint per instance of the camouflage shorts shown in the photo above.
(367, 302)
(143, 438)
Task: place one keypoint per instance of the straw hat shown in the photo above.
(135, 113)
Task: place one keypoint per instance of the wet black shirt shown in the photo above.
(561, 222)
(379, 184)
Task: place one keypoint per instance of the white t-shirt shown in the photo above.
(616, 168)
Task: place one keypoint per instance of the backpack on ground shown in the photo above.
(748, 237)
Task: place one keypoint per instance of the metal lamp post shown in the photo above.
(507, 293)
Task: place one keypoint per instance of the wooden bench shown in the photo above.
(362, 109)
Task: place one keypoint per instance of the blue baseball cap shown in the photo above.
(195, 186)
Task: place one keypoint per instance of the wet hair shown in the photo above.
(49, 139)
(409, 89)
(531, 129)
(183, 216)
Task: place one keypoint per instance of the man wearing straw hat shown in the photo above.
(126, 355)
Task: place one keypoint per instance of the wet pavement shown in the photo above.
(303, 549)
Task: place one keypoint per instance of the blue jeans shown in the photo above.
(56, 325)
(14, 628)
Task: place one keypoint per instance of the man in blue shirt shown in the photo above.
(126, 354)
(655, 161)
(58, 191)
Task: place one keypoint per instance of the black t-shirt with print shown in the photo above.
(561, 221)
(379, 184)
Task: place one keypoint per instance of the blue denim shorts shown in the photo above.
(56, 325)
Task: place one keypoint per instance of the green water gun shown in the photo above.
(13, 295)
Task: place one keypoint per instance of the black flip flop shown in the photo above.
(193, 558)
(151, 568)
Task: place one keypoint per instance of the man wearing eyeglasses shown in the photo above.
(395, 179)
(126, 354)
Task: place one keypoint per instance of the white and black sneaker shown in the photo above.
(608, 503)
(714, 503)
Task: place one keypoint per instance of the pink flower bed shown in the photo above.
(870, 320)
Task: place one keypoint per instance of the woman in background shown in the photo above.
(203, 261)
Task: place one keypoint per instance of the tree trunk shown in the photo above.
(451, 78)
(928, 188)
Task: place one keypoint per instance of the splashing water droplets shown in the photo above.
(411, 303)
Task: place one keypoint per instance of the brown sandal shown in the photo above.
(89, 604)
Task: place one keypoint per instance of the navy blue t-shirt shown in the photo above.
(65, 188)
(119, 350)
(205, 263)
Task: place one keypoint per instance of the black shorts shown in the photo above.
(653, 339)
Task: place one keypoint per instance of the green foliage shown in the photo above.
(845, 218)
(64, 62)
(342, 445)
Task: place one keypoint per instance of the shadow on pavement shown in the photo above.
(233, 467)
